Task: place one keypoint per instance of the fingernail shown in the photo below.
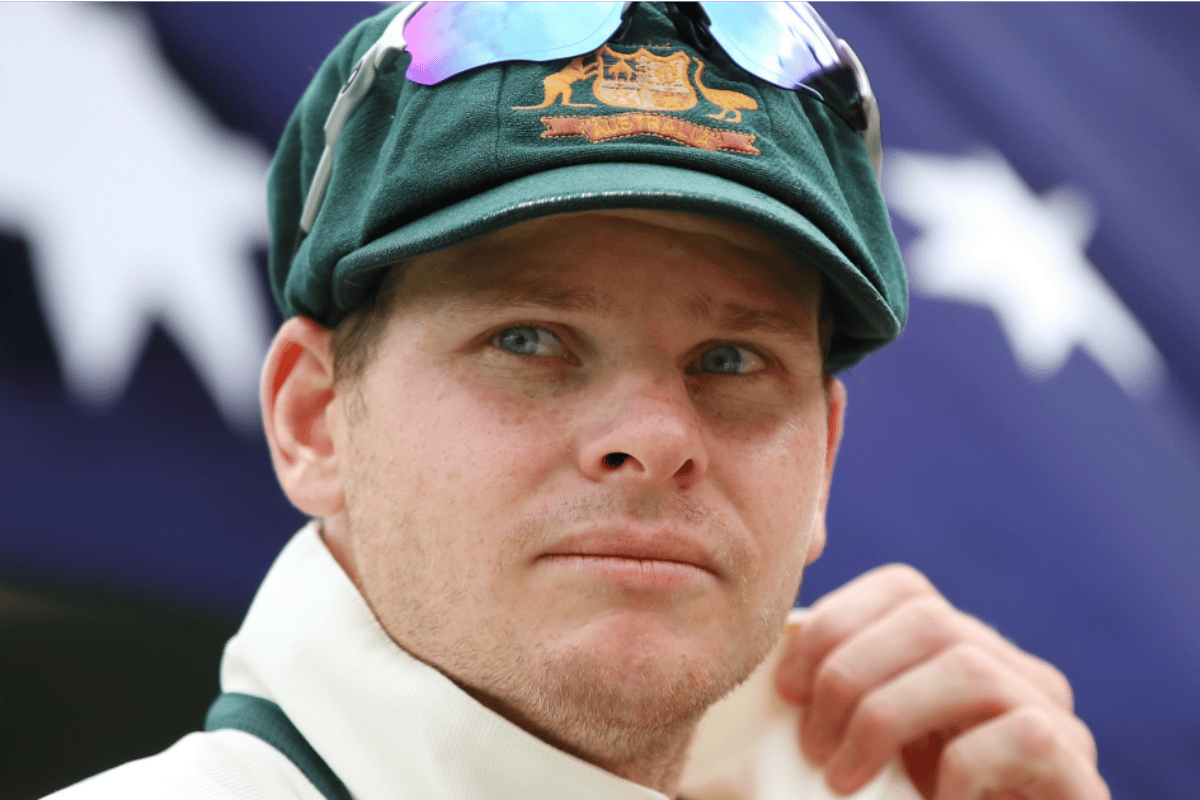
(795, 696)
(842, 774)
(788, 689)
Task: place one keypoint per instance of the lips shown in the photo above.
(648, 545)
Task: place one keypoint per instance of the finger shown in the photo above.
(893, 644)
(838, 615)
(1023, 753)
(858, 604)
(915, 631)
(961, 687)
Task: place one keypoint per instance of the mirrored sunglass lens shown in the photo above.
(789, 45)
(448, 38)
(783, 43)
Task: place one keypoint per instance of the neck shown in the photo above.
(651, 755)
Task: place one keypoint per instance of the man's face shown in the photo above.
(587, 465)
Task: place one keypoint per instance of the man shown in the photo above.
(556, 386)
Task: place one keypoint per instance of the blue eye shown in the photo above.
(526, 340)
(729, 359)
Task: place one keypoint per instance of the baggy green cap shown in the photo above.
(649, 122)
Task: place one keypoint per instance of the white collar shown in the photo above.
(387, 724)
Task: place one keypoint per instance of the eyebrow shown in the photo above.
(698, 309)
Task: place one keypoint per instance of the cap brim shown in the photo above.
(608, 186)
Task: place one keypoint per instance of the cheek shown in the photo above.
(519, 428)
(461, 445)
(776, 484)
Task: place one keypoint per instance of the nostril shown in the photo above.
(614, 460)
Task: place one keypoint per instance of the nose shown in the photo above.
(646, 431)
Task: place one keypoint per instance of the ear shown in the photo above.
(298, 395)
(835, 394)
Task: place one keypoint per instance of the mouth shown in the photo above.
(638, 558)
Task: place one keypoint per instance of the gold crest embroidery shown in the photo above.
(728, 100)
(558, 85)
(643, 80)
(648, 82)
(635, 123)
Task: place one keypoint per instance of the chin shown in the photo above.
(611, 703)
(635, 639)
(631, 680)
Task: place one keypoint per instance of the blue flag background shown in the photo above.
(1032, 442)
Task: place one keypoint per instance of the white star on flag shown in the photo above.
(988, 239)
(139, 207)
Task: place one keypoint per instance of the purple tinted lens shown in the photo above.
(448, 38)
(786, 44)
(783, 43)
(789, 45)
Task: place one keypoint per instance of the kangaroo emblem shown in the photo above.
(558, 85)
(726, 99)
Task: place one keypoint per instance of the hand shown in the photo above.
(886, 666)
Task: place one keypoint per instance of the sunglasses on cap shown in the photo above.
(785, 44)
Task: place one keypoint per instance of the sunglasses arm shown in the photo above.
(871, 135)
(362, 77)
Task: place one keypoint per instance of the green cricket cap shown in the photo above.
(648, 123)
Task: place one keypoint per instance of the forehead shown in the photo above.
(594, 256)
